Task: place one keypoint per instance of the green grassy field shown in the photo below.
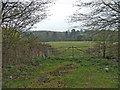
(68, 48)
(81, 44)
(64, 72)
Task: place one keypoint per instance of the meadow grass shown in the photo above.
(90, 77)
(68, 48)
(87, 74)
(27, 76)
(79, 44)
(88, 71)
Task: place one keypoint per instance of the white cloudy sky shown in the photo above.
(60, 12)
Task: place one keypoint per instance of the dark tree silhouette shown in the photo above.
(101, 14)
(23, 15)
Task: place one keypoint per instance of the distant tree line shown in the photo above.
(106, 40)
(71, 35)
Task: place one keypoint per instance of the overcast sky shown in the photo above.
(60, 12)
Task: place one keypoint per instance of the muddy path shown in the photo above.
(53, 77)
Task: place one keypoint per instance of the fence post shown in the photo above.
(46, 52)
(72, 52)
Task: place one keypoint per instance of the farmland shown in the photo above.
(64, 71)
(57, 44)
(82, 44)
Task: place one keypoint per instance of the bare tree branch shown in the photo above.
(101, 15)
(23, 15)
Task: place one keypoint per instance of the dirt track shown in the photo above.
(61, 71)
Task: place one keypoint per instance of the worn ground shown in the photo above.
(63, 71)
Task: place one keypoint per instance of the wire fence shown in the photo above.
(71, 51)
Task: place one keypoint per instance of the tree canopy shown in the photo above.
(22, 15)
(100, 14)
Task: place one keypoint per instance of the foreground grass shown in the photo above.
(85, 73)
(63, 71)
(25, 76)
(90, 77)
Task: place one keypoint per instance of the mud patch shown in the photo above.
(44, 79)
(61, 71)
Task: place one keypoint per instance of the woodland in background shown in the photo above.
(19, 47)
(106, 40)
(75, 35)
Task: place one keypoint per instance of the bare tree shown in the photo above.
(18, 16)
(100, 14)
(22, 15)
